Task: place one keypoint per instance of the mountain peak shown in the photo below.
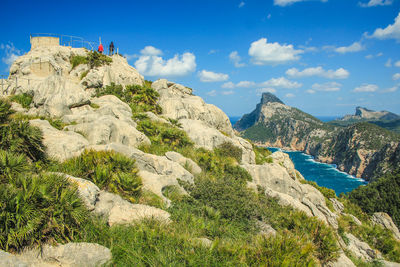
(270, 98)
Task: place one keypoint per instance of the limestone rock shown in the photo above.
(284, 160)
(118, 72)
(70, 254)
(203, 241)
(337, 205)
(178, 103)
(60, 145)
(178, 158)
(342, 261)
(56, 95)
(154, 117)
(354, 218)
(209, 138)
(278, 183)
(87, 190)
(156, 172)
(361, 249)
(10, 260)
(120, 211)
(383, 219)
(107, 129)
(17, 107)
(390, 264)
(266, 229)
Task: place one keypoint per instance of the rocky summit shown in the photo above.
(156, 176)
(362, 149)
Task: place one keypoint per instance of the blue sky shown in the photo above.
(323, 56)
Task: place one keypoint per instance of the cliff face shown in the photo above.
(364, 150)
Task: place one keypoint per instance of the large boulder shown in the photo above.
(278, 183)
(120, 211)
(361, 249)
(177, 102)
(183, 161)
(10, 260)
(157, 172)
(60, 145)
(383, 219)
(342, 261)
(56, 95)
(209, 138)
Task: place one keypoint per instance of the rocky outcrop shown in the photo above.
(361, 249)
(278, 183)
(184, 162)
(342, 261)
(120, 211)
(60, 145)
(177, 102)
(383, 219)
(367, 114)
(71, 254)
(156, 172)
(209, 138)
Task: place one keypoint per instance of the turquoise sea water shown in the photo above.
(326, 175)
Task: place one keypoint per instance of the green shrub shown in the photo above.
(84, 74)
(95, 59)
(11, 165)
(77, 60)
(140, 99)
(24, 99)
(262, 155)
(39, 209)
(164, 134)
(227, 149)
(18, 136)
(108, 170)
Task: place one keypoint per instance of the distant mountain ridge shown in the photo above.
(367, 114)
(361, 149)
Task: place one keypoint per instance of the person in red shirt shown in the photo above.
(100, 49)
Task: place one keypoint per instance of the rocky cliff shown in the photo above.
(364, 150)
(66, 93)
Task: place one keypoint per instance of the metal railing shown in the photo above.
(68, 40)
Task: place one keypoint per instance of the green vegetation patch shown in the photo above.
(23, 99)
(139, 98)
(262, 155)
(110, 171)
(380, 195)
(93, 59)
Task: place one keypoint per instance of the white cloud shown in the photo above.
(290, 2)
(308, 48)
(264, 53)
(230, 92)
(266, 90)
(212, 51)
(152, 64)
(366, 88)
(326, 87)
(397, 64)
(235, 59)
(290, 95)
(390, 32)
(354, 47)
(370, 56)
(151, 51)
(310, 91)
(241, 4)
(245, 84)
(281, 82)
(391, 90)
(396, 76)
(212, 93)
(11, 54)
(228, 85)
(388, 63)
(318, 71)
(376, 3)
(209, 76)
